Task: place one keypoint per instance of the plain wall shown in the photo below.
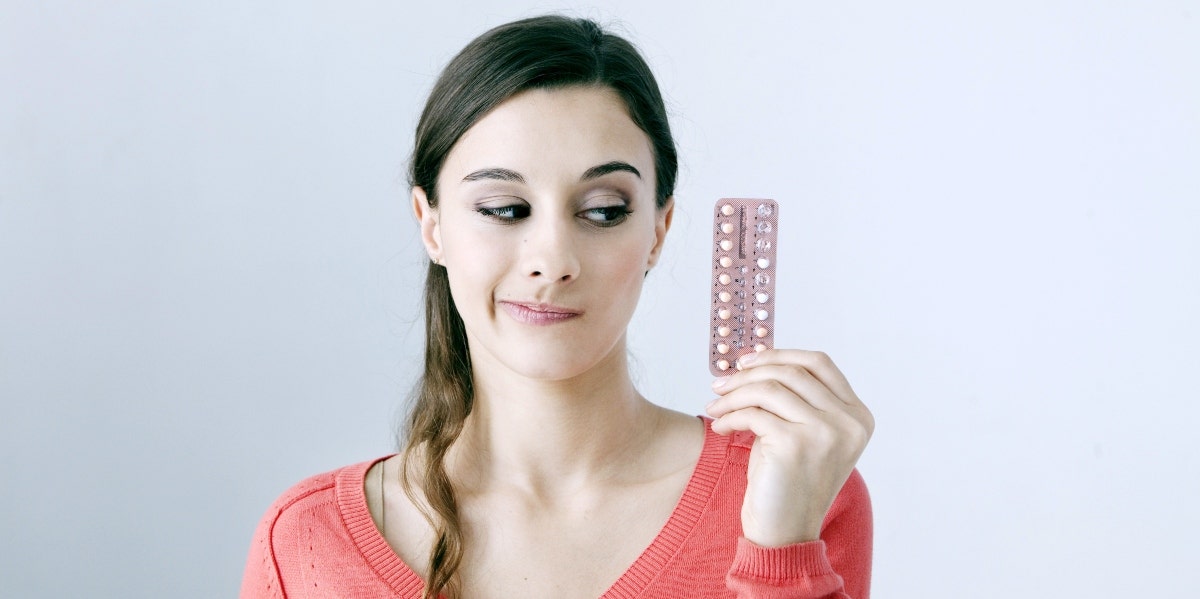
(209, 273)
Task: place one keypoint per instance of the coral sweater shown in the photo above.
(318, 540)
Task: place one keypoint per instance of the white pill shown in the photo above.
(763, 263)
(726, 245)
(761, 297)
(760, 314)
(727, 228)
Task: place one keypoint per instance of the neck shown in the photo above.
(548, 437)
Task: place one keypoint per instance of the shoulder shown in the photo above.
(317, 498)
(854, 493)
(318, 520)
(736, 445)
(318, 488)
(305, 490)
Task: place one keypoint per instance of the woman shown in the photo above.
(542, 179)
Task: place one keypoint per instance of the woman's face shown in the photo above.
(546, 223)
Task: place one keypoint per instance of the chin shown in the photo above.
(548, 361)
(551, 366)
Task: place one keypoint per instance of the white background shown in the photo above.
(209, 274)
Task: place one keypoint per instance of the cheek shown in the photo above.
(472, 247)
(633, 251)
(475, 264)
(624, 265)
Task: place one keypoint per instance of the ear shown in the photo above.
(427, 218)
(662, 224)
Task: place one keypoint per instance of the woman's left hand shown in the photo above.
(810, 430)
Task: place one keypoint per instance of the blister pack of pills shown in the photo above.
(745, 234)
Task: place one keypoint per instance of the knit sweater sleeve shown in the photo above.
(276, 538)
(261, 580)
(838, 566)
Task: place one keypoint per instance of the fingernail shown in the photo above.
(747, 360)
(720, 382)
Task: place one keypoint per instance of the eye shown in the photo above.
(508, 213)
(607, 216)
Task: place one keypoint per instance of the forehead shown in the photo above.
(553, 133)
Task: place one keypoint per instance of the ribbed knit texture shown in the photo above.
(318, 540)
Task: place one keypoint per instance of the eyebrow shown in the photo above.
(615, 166)
(499, 174)
(503, 174)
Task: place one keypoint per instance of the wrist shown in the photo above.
(782, 536)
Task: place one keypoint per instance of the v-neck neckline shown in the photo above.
(352, 505)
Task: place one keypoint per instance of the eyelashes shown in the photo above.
(601, 216)
(511, 213)
(608, 215)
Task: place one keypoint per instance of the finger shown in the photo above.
(785, 390)
(756, 420)
(818, 363)
(770, 396)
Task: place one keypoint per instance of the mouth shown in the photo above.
(538, 313)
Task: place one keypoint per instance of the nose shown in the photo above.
(549, 253)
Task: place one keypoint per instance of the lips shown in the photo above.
(538, 313)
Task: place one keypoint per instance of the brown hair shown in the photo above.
(541, 52)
